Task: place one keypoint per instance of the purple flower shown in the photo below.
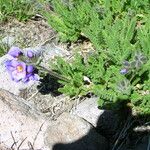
(124, 71)
(30, 74)
(15, 52)
(16, 69)
(19, 71)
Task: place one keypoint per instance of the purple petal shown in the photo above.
(7, 62)
(14, 63)
(18, 76)
(30, 54)
(8, 65)
(26, 79)
(30, 77)
(35, 77)
(30, 69)
(15, 52)
(124, 71)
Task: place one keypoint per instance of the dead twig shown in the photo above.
(40, 129)
(35, 93)
(123, 133)
(21, 143)
(15, 143)
(30, 146)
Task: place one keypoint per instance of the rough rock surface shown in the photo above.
(106, 122)
(88, 110)
(8, 40)
(20, 122)
(70, 132)
(22, 126)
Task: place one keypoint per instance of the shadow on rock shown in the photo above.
(120, 131)
(49, 85)
(107, 125)
(84, 143)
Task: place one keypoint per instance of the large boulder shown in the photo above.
(70, 132)
(22, 126)
(105, 121)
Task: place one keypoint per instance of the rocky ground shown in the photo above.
(34, 116)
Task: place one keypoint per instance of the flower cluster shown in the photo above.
(18, 68)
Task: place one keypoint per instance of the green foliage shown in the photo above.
(74, 72)
(105, 80)
(69, 18)
(119, 70)
(3, 48)
(20, 9)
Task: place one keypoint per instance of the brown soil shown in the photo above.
(27, 34)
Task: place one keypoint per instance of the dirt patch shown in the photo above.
(27, 34)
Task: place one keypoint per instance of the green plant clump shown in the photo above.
(119, 70)
(69, 18)
(19, 9)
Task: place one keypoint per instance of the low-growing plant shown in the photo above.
(19, 9)
(119, 70)
(71, 18)
(68, 18)
(112, 83)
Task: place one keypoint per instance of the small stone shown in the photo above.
(88, 110)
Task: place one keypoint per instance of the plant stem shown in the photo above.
(54, 74)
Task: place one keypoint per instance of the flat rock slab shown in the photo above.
(70, 132)
(20, 123)
(88, 110)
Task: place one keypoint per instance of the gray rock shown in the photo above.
(47, 51)
(88, 110)
(70, 132)
(144, 144)
(105, 121)
(6, 82)
(20, 122)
